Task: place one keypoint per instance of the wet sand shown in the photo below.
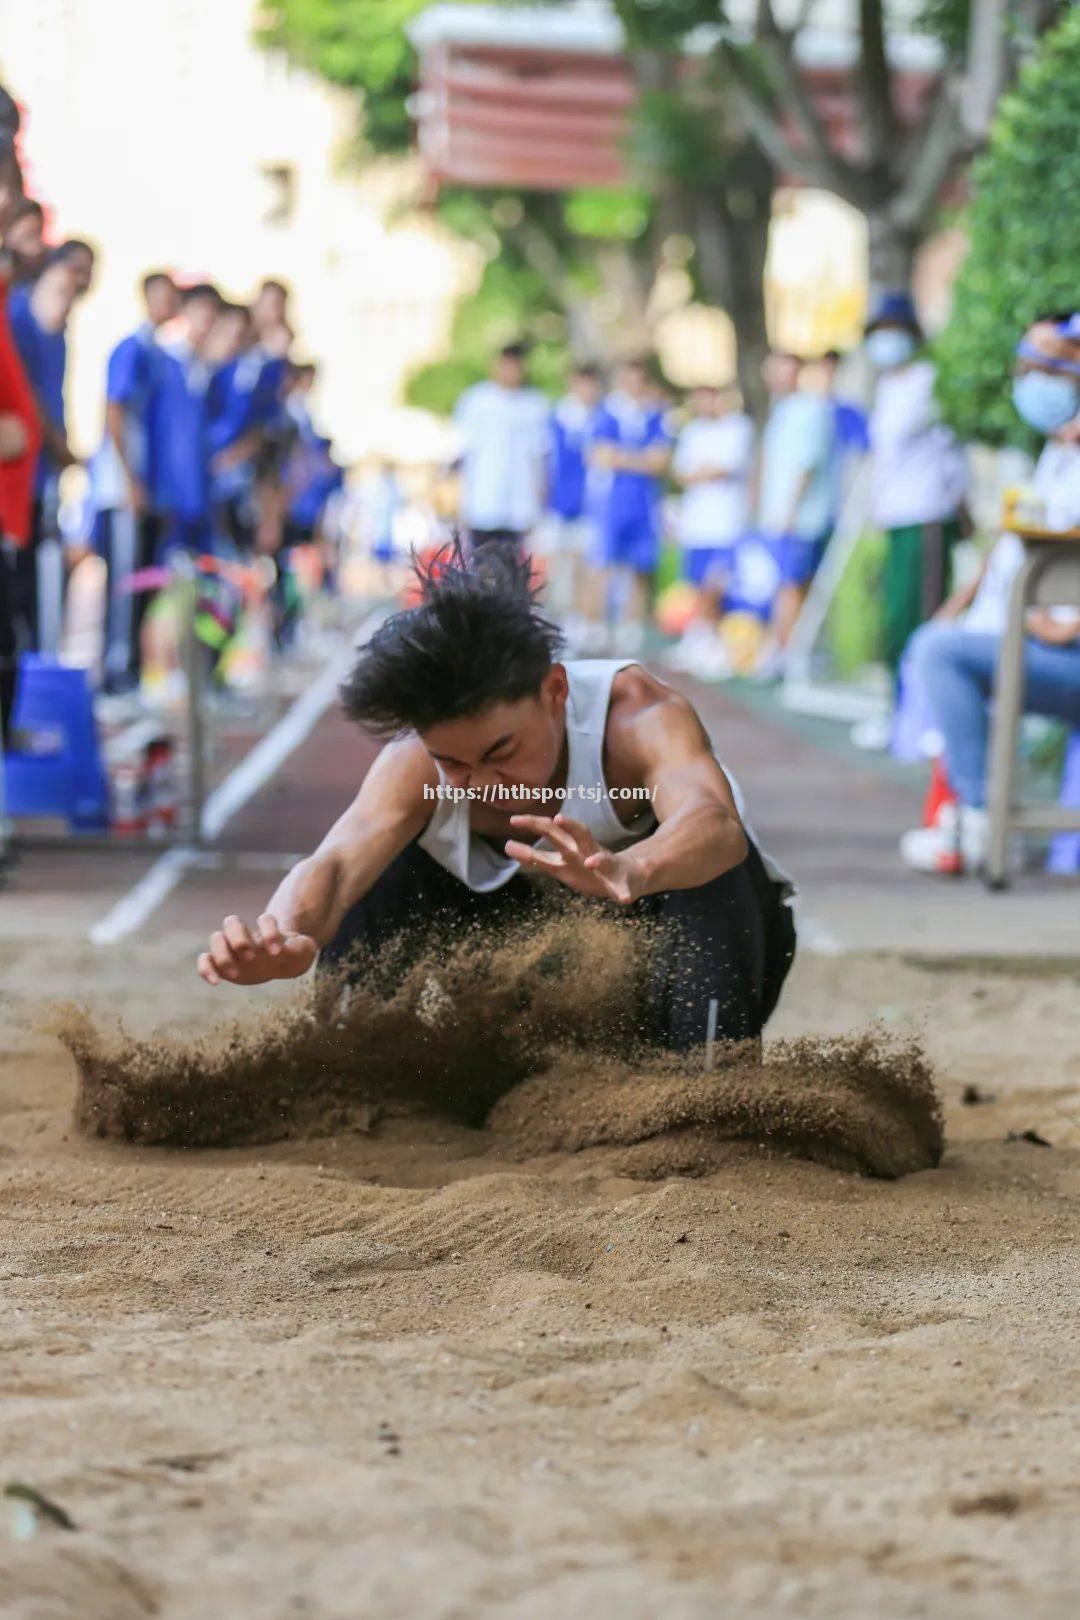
(401, 1370)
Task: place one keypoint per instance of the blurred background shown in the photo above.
(388, 236)
(230, 140)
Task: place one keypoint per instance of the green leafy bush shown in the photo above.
(1024, 225)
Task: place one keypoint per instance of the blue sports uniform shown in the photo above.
(852, 427)
(133, 380)
(182, 433)
(629, 502)
(572, 428)
(128, 542)
(311, 473)
(268, 412)
(798, 447)
(44, 358)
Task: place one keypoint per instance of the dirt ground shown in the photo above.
(391, 1375)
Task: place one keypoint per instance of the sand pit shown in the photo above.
(446, 1370)
(863, 1103)
(502, 1036)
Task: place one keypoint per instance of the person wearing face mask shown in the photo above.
(953, 659)
(919, 482)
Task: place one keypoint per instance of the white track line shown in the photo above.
(252, 773)
(271, 751)
(130, 912)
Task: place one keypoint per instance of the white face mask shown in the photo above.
(890, 346)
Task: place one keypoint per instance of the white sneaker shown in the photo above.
(874, 735)
(695, 640)
(711, 663)
(169, 693)
(953, 847)
(114, 708)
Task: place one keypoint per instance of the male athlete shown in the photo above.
(483, 721)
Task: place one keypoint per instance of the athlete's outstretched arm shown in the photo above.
(661, 744)
(700, 835)
(307, 908)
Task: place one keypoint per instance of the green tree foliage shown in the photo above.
(358, 44)
(1024, 225)
(540, 274)
(511, 302)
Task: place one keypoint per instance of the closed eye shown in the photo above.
(501, 748)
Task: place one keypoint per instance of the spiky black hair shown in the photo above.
(476, 638)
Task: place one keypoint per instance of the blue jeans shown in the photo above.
(955, 668)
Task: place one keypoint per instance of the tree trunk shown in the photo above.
(892, 253)
(732, 240)
(987, 65)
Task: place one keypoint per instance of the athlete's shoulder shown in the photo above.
(636, 693)
(648, 720)
(403, 768)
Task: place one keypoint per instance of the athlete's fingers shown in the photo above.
(564, 840)
(222, 957)
(610, 868)
(557, 831)
(206, 969)
(615, 882)
(578, 831)
(239, 937)
(540, 825)
(529, 856)
(269, 933)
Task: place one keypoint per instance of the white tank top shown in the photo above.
(449, 839)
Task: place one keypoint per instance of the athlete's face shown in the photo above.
(512, 744)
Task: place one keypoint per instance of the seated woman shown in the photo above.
(953, 658)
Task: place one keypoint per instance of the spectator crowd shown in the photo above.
(209, 447)
(209, 451)
(598, 483)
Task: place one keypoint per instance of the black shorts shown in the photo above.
(731, 940)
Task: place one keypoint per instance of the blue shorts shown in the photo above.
(629, 542)
(798, 559)
(709, 565)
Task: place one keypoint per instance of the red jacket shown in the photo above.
(16, 399)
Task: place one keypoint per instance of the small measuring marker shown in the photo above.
(710, 1033)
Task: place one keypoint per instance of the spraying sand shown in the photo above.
(490, 1023)
(465, 1357)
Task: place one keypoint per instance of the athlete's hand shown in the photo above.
(242, 955)
(577, 860)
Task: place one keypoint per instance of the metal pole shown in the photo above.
(191, 653)
(1008, 708)
(49, 569)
